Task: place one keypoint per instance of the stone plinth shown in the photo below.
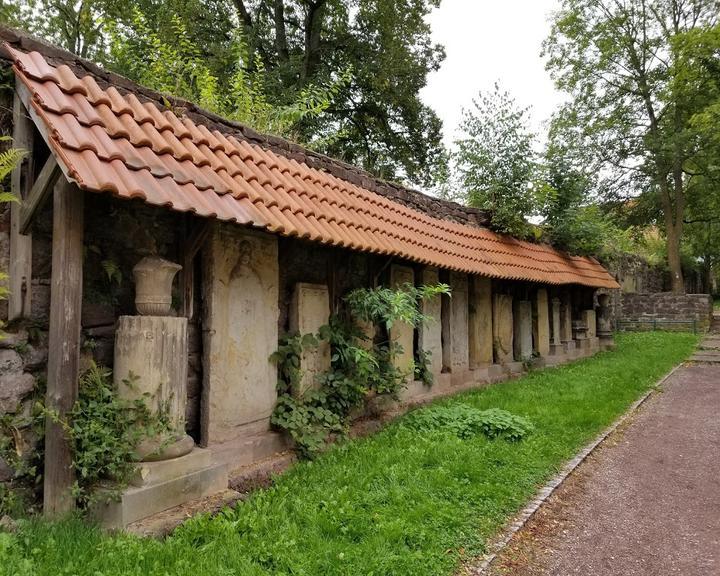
(480, 322)
(309, 310)
(522, 330)
(459, 352)
(151, 365)
(541, 323)
(240, 320)
(502, 328)
(402, 334)
(430, 333)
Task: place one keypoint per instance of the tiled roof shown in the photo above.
(108, 140)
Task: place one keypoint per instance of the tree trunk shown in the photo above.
(313, 29)
(280, 34)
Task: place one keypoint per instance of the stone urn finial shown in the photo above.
(153, 285)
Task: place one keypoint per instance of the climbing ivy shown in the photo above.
(361, 363)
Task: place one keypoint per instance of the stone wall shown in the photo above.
(667, 306)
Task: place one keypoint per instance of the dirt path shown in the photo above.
(647, 503)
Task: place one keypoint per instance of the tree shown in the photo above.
(637, 85)
(495, 162)
(376, 120)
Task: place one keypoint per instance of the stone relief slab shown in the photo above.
(309, 310)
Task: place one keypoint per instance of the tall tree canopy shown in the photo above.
(376, 120)
(640, 73)
(495, 163)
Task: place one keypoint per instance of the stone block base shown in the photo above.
(515, 367)
(250, 448)
(173, 487)
(557, 349)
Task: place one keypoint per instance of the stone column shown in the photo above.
(522, 330)
(541, 323)
(430, 333)
(459, 327)
(588, 317)
(309, 310)
(401, 333)
(240, 327)
(151, 365)
(502, 328)
(556, 321)
(480, 322)
(604, 322)
(566, 336)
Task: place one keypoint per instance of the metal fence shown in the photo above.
(652, 324)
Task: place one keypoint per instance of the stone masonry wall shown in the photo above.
(668, 306)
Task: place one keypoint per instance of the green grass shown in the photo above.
(399, 502)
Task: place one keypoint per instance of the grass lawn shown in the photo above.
(396, 503)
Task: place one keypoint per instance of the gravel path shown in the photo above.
(647, 503)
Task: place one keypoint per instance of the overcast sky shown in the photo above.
(488, 41)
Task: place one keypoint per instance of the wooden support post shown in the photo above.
(64, 342)
(20, 272)
(40, 191)
(194, 241)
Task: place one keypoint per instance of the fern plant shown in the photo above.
(9, 159)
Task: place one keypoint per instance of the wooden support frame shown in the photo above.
(20, 270)
(40, 191)
(194, 240)
(64, 343)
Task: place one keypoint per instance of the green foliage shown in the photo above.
(466, 421)
(385, 306)
(495, 162)
(398, 502)
(422, 367)
(178, 67)
(641, 77)
(358, 366)
(105, 432)
(296, 52)
(8, 160)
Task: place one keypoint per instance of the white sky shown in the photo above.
(488, 41)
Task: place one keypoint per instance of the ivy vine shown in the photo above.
(361, 363)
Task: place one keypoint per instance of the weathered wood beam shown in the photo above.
(64, 343)
(39, 193)
(193, 242)
(21, 181)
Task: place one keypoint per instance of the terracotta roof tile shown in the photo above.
(110, 141)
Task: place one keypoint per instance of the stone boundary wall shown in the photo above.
(667, 306)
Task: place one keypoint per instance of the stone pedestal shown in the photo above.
(480, 322)
(522, 330)
(309, 310)
(151, 365)
(430, 333)
(459, 357)
(240, 332)
(401, 333)
(502, 328)
(541, 323)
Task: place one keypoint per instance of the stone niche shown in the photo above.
(522, 330)
(459, 350)
(430, 333)
(402, 333)
(503, 328)
(309, 310)
(240, 332)
(480, 322)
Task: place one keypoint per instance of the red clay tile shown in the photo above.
(113, 142)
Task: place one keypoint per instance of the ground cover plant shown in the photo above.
(411, 499)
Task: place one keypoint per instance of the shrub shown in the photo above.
(465, 422)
